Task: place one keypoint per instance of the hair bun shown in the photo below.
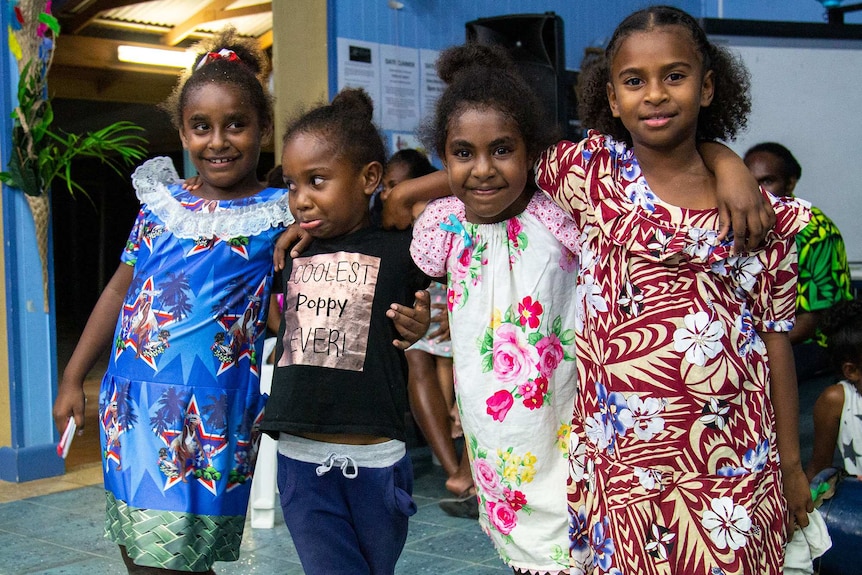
(357, 101)
(460, 59)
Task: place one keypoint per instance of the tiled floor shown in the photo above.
(56, 528)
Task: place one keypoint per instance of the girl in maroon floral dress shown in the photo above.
(684, 452)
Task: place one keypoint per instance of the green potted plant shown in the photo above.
(40, 155)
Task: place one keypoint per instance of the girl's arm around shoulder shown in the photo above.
(785, 403)
(398, 203)
(827, 421)
(741, 205)
(94, 341)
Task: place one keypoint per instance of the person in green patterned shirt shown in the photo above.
(824, 276)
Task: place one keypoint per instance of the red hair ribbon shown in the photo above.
(223, 54)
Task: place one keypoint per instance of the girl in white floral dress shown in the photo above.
(507, 254)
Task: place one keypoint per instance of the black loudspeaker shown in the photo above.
(536, 43)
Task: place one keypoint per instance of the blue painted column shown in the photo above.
(31, 333)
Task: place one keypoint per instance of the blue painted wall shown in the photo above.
(435, 24)
(30, 337)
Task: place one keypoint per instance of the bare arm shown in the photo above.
(805, 327)
(741, 206)
(273, 314)
(398, 204)
(94, 341)
(827, 418)
(785, 403)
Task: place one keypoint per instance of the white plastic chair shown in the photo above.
(264, 492)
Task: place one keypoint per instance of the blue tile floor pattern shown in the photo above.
(61, 533)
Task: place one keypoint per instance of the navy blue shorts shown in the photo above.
(345, 524)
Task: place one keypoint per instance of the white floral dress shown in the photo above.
(512, 318)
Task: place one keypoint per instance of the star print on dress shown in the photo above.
(241, 330)
(143, 326)
(193, 448)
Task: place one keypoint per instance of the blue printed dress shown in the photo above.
(180, 402)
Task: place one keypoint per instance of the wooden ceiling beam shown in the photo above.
(212, 12)
(123, 86)
(101, 53)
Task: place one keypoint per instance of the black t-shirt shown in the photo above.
(336, 368)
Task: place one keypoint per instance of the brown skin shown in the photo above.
(740, 203)
(785, 403)
(95, 339)
(827, 419)
(430, 382)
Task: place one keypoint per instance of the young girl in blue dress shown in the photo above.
(184, 315)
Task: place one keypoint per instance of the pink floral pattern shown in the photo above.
(512, 321)
(522, 357)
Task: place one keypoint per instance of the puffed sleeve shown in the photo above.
(432, 243)
(774, 308)
(556, 220)
(562, 173)
(133, 244)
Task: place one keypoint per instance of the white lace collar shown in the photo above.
(152, 181)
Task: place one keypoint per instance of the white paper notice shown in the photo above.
(400, 87)
(430, 85)
(359, 67)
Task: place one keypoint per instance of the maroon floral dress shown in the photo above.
(674, 464)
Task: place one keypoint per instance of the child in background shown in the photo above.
(838, 411)
(685, 426)
(431, 385)
(506, 253)
(339, 392)
(179, 404)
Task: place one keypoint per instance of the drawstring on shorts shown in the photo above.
(345, 462)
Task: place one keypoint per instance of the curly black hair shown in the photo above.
(842, 326)
(726, 116)
(486, 76)
(346, 124)
(248, 71)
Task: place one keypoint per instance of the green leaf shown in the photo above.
(557, 325)
(22, 174)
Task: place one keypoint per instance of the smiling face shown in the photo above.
(658, 86)
(222, 134)
(487, 164)
(328, 195)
